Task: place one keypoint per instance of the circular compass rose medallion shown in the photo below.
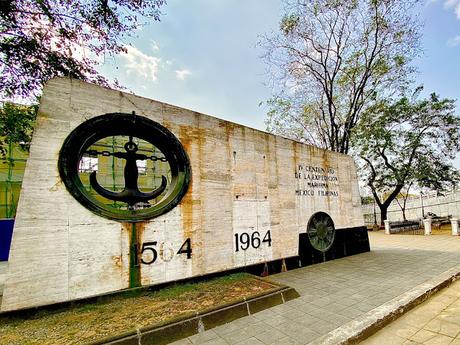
(124, 167)
(321, 231)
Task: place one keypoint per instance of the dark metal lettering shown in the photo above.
(186, 248)
(149, 246)
(244, 241)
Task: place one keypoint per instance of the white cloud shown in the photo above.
(453, 4)
(455, 41)
(182, 74)
(450, 3)
(141, 64)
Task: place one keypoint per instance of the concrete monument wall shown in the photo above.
(243, 181)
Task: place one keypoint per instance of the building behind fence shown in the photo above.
(417, 206)
(12, 167)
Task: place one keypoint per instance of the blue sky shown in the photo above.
(203, 56)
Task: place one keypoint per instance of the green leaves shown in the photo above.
(408, 141)
(288, 24)
(16, 126)
(40, 40)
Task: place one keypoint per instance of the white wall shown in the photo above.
(446, 205)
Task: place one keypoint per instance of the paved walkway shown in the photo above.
(436, 321)
(336, 292)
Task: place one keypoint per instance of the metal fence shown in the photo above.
(417, 207)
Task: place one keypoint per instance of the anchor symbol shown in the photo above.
(131, 193)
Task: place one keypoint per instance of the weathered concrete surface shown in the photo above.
(243, 180)
(3, 265)
(342, 298)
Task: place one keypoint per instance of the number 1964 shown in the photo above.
(243, 241)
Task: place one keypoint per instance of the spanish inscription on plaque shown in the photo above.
(316, 181)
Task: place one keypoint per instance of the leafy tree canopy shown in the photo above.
(408, 142)
(331, 59)
(46, 38)
(16, 126)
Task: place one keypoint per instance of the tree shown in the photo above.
(331, 59)
(16, 127)
(46, 38)
(408, 142)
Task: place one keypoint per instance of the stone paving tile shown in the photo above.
(295, 314)
(364, 307)
(436, 321)
(204, 337)
(390, 339)
(350, 312)
(443, 327)
(427, 337)
(235, 337)
(322, 327)
(404, 331)
(276, 320)
(270, 335)
(251, 341)
(286, 341)
(256, 329)
(336, 292)
(216, 341)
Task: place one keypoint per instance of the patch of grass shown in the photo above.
(88, 322)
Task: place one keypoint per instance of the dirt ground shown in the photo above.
(88, 322)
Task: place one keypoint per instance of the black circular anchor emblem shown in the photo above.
(136, 145)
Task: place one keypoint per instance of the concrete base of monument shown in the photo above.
(147, 317)
(347, 242)
(184, 327)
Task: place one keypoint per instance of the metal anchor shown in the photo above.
(131, 193)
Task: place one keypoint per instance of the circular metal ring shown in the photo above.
(321, 231)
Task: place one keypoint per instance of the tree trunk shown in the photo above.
(384, 206)
(383, 213)
(404, 213)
